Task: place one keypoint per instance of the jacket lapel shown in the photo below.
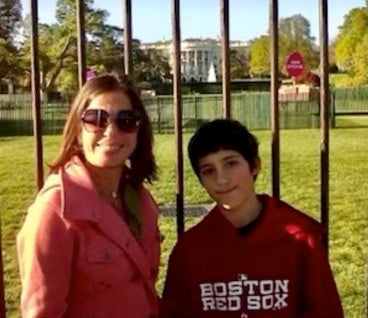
(77, 187)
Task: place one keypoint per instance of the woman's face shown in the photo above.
(104, 144)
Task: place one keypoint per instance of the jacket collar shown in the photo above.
(79, 196)
(80, 201)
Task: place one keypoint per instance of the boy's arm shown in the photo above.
(321, 298)
(176, 290)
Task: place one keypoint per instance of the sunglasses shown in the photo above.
(98, 119)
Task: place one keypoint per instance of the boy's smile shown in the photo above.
(228, 179)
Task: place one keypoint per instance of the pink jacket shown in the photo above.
(78, 257)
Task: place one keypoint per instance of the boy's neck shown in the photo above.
(244, 215)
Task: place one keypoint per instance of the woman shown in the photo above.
(89, 246)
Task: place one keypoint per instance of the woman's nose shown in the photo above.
(111, 129)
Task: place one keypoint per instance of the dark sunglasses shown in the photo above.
(98, 119)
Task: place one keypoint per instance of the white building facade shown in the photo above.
(198, 57)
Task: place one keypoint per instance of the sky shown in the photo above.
(151, 19)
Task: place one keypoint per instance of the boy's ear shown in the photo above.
(257, 167)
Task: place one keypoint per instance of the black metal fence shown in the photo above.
(251, 108)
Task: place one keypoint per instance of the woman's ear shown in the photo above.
(79, 139)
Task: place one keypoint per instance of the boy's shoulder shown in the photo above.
(279, 221)
(202, 231)
(276, 212)
(290, 220)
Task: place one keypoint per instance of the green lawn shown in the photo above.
(300, 186)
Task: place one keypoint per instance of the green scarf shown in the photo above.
(132, 215)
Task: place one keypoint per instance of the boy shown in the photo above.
(252, 256)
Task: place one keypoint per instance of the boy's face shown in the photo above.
(228, 179)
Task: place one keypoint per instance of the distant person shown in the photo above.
(252, 256)
(313, 79)
(89, 246)
(309, 78)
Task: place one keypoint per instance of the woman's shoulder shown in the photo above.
(46, 204)
(48, 199)
(51, 188)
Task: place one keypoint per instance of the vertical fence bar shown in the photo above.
(36, 100)
(225, 54)
(178, 116)
(2, 286)
(81, 43)
(333, 109)
(128, 63)
(275, 129)
(325, 114)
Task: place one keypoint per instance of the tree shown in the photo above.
(332, 57)
(352, 45)
(58, 44)
(156, 65)
(294, 35)
(10, 18)
(239, 63)
(260, 56)
(54, 55)
(104, 49)
(7, 58)
(350, 35)
(105, 52)
(360, 62)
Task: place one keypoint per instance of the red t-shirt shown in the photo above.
(276, 267)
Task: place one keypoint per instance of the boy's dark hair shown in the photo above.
(224, 134)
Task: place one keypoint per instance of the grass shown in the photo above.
(300, 186)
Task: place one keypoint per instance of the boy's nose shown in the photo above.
(221, 177)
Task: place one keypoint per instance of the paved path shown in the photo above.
(189, 210)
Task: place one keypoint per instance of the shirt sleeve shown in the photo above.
(45, 249)
(320, 294)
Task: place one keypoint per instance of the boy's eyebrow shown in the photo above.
(229, 157)
(204, 165)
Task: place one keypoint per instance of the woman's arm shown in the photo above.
(45, 249)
